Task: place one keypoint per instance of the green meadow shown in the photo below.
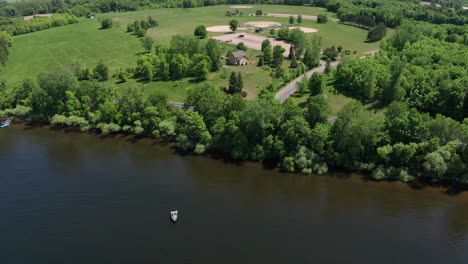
(85, 44)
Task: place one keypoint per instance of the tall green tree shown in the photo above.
(50, 97)
(265, 43)
(214, 52)
(298, 40)
(278, 55)
(200, 31)
(377, 33)
(312, 52)
(233, 83)
(233, 24)
(147, 43)
(240, 82)
(208, 101)
(318, 110)
(356, 134)
(192, 132)
(393, 91)
(185, 44)
(316, 84)
(152, 22)
(101, 72)
(295, 133)
(200, 66)
(267, 54)
(179, 66)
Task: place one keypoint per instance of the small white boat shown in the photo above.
(174, 215)
(5, 122)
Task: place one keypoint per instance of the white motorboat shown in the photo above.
(174, 215)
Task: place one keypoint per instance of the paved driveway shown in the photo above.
(293, 86)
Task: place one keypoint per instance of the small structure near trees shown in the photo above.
(238, 57)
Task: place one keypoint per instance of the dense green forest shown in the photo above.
(393, 12)
(422, 65)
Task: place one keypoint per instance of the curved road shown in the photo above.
(293, 86)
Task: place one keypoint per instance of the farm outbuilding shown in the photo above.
(238, 57)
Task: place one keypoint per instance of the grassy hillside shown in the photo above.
(83, 43)
(61, 47)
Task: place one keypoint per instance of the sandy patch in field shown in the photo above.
(262, 24)
(242, 6)
(222, 29)
(294, 15)
(305, 29)
(37, 15)
(306, 17)
(251, 41)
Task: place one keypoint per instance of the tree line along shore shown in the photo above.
(407, 119)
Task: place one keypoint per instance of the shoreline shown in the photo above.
(440, 187)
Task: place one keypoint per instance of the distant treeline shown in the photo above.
(392, 12)
(84, 7)
(364, 12)
(18, 26)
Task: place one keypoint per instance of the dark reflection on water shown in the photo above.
(78, 198)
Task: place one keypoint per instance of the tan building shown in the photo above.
(238, 57)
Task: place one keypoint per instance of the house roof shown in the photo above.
(238, 54)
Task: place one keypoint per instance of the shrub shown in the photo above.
(322, 19)
(106, 23)
(377, 33)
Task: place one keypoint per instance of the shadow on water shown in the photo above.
(420, 185)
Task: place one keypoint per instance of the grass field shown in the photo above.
(85, 44)
(61, 47)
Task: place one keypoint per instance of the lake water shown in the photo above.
(79, 198)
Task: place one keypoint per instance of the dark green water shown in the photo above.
(78, 198)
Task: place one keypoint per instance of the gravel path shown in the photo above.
(293, 86)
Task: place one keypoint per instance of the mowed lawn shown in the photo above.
(83, 43)
(60, 47)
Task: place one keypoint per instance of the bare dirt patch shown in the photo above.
(305, 29)
(242, 6)
(262, 24)
(38, 15)
(251, 41)
(371, 52)
(222, 29)
(424, 3)
(295, 16)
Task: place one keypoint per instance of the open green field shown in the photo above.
(61, 47)
(83, 43)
